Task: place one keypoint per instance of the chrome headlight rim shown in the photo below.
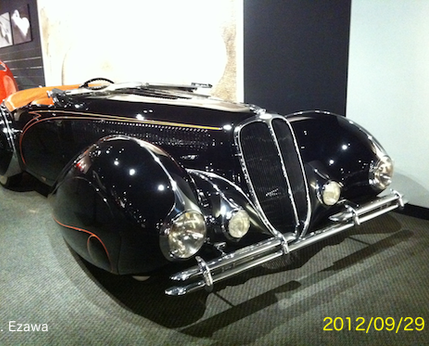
(184, 235)
(381, 173)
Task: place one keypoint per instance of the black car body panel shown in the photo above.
(142, 176)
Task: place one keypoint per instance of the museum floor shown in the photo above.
(358, 280)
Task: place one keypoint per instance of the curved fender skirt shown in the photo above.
(86, 223)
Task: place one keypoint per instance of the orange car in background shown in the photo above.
(7, 82)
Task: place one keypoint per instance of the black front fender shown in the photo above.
(339, 149)
(112, 200)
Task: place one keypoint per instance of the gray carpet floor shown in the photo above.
(379, 270)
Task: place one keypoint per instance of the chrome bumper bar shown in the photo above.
(205, 274)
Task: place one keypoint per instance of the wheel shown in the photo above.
(140, 278)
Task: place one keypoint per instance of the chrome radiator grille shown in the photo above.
(274, 172)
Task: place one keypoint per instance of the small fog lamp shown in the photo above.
(238, 224)
(331, 192)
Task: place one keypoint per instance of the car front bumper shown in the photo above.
(205, 274)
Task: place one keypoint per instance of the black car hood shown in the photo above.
(150, 103)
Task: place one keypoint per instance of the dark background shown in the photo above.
(296, 54)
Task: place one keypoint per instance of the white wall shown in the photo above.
(165, 41)
(388, 85)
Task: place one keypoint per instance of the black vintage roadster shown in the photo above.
(145, 175)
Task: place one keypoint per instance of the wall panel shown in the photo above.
(23, 58)
(296, 54)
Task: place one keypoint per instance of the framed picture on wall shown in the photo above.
(5, 30)
(21, 25)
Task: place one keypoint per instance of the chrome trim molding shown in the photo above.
(205, 274)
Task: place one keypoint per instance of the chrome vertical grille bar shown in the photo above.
(274, 172)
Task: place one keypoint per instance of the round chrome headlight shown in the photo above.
(330, 192)
(238, 224)
(186, 234)
(380, 174)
